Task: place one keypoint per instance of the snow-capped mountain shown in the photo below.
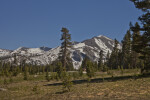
(44, 55)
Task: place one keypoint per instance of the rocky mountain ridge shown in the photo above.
(44, 55)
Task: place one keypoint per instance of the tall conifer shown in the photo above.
(143, 44)
(65, 45)
(126, 50)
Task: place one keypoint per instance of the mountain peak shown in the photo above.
(99, 35)
(22, 48)
(44, 55)
(102, 36)
(45, 48)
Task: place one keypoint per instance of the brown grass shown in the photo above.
(128, 89)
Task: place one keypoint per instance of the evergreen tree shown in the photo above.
(67, 83)
(43, 69)
(107, 59)
(25, 73)
(84, 62)
(120, 58)
(135, 62)
(114, 61)
(80, 71)
(90, 69)
(107, 56)
(65, 45)
(59, 70)
(143, 44)
(100, 62)
(16, 70)
(95, 66)
(47, 76)
(15, 59)
(126, 50)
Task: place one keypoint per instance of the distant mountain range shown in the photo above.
(44, 55)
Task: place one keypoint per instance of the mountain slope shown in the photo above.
(88, 48)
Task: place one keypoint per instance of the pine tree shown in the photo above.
(67, 83)
(114, 61)
(25, 73)
(47, 76)
(107, 56)
(143, 44)
(135, 62)
(59, 70)
(126, 50)
(107, 59)
(100, 62)
(84, 62)
(80, 71)
(16, 71)
(95, 65)
(65, 45)
(90, 69)
(15, 59)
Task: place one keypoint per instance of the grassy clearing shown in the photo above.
(37, 88)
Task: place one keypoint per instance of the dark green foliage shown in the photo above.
(100, 61)
(142, 43)
(113, 61)
(95, 65)
(135, 61)
(16, 71)
(105, 68)
(64, 54)
(142, 4)
(15, 59)
(53, 76)
(80, 71)
(67, 81)
(60, 70)
(26, 73)
(75, 75)
(47, 76)
(122, 70)
(51, 68)
(90, 69)
(126, 50)
(107, 59)
(84, 62)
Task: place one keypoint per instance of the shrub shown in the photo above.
(81, 72)
(67, 82)
(75, 75)
(47, 76)
(90, 69)
(26, 74)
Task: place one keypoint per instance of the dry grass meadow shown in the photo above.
(101, 87)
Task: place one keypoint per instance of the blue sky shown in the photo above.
(36, 23)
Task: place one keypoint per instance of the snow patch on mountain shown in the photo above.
(41, 56)
(4, 52)
(79, 45)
